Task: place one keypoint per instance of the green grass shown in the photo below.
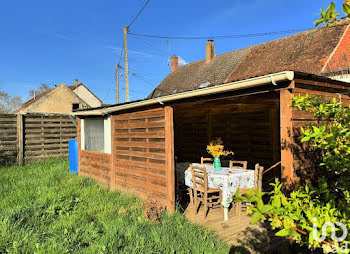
(45, 209)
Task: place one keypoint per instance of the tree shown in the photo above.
(41, 89)
(9, 104)
(330, 16)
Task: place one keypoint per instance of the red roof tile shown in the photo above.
(305, 52)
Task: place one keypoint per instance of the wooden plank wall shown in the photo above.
(8, 139)
(304, 159)
(40, 136)
(95, 165)
(251, 131)
(139, 153)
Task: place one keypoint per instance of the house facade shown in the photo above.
(243, 96)
(62, 99)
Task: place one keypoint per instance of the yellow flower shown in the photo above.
(216, 148)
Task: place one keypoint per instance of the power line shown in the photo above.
(139, 76)
(235, 36)
(142, 78)
(138, 14)
(121, 54)
(152, 47)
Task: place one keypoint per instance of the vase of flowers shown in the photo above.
(216, 149)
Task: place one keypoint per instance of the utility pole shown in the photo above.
(126, 65)
(117, 84)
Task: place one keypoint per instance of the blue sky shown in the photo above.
(57, 41)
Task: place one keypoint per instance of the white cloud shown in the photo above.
(182, 61)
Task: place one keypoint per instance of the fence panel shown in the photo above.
(46, 136)
(8, 138)
(34, 136)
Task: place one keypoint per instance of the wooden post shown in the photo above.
(169, 156)
(126, 65)
(117, 84)
(276, 148)
(113, 150)
(286, 137)
(20, 139)
(79, 142)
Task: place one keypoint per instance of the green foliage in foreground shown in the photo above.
(330, 16)
(306, 209)
(45, 209)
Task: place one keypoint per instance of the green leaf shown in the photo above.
(304, 139)
(256, 217)
(276, 202)
(283, 232)
(346, 9)
(266, 208)
(287, 232)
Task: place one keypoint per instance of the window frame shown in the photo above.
(106, 134)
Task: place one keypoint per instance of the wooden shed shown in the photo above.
(134, 147)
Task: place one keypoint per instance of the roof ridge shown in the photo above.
(300, 52)
(285, 37)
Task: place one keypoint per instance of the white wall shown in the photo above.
(87, 96)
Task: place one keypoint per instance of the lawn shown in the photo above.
(45, 209)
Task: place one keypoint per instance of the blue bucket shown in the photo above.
(73, 155)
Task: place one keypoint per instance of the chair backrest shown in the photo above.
(239, 164)
(199, 177)
(207, 161)
(259, 171)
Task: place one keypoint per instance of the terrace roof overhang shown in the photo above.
(274, 78)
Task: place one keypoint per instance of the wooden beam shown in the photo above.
(20, 139)
(319, 84)
(169, 155)
(79, 142)
(286, 138)
(113, 154)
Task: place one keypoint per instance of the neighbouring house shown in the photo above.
(243, 96)
(62, 99)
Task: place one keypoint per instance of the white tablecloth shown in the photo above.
(228, 180)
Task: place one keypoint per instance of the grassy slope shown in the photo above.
(45, 209)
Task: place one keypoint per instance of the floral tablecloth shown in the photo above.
(228, 180)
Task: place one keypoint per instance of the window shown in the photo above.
(96, 134)
(75, 107)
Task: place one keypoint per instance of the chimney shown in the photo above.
(76, 83)
(174, 63)
(210, 50)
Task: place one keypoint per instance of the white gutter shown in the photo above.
(237, 85)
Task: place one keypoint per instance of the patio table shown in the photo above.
(227, 179)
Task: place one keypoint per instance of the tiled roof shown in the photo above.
(305, 52)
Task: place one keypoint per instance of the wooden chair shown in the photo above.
(201, 192)
(239, 164)
(207, 161)
(258, 175)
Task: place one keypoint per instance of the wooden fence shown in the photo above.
(8, 139)
(142, 157)
(35, 136)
